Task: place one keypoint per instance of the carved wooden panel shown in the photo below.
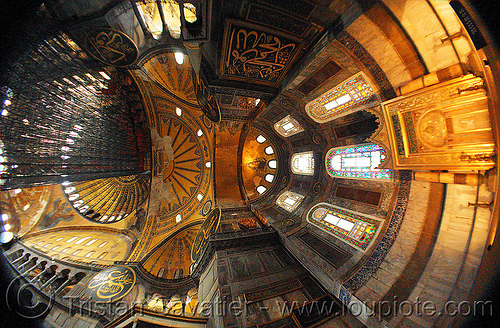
(442, 127)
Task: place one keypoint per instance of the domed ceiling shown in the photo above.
(264, 62)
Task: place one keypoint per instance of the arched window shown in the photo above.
(288, 126)
(269, 177)
(269, 150)
(261, 189)
(360, 161)
(303, 163)
(340, 100)
(261, 138)
(272, 163)
(289, 200)
(350, 227)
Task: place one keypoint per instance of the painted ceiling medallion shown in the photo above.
(209, 226)
(111, 47)
(111, 284)
(255, 54)
(206, 100)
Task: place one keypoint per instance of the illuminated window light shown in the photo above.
(178, 111)
(55, 247)
(179, 58)
(65, 148)
(260, 139)
(69, 190)
(200, 133)
(7, 227)
(338, 102)
(17, 191)
(269, 178)
(178, 218)
(77, 127)
(6, 237)
(26, 122)
(73, 197)
(65, 250)
(47, 245)
(208, 164)
(60, 238)
(89, 254)
(5, 217)
(64, 157)
(70, 141)
(82, 240)
(91, 242)
(7, 102)
(74, 134)
(103, 244)
(66, 183)
(77, 204)
(76, 252)
(71, 239)
(26, 207)
(257, 101)
(4, 112)
(272, 164)
(104, 75)
(261, 189)
(90, 76)
(84, 208)
(64, 175)
(199, 197)
(269, 150)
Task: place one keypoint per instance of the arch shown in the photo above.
(302, 163)
(358, 162)
(356, 230)
(352, 94)
(289, 200)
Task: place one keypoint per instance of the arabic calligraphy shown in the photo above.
(210, 225)
(111, 47)
(257, 55)
(206, 100)
(110, 284)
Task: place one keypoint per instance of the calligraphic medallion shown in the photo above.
(111, 47)
(111, 284)
(255, 54)
(210, 225)
(206, 100)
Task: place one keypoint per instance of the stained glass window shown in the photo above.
(346, 96)
(303, 163)
(352, 228)
(289, 200)
(360, 161)
(288, 126)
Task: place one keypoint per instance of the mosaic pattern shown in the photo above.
(288, 126)
(303, 163)
(359, 162)
(371, 266)
(342, 98)
(353, 229)
(289, 200)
